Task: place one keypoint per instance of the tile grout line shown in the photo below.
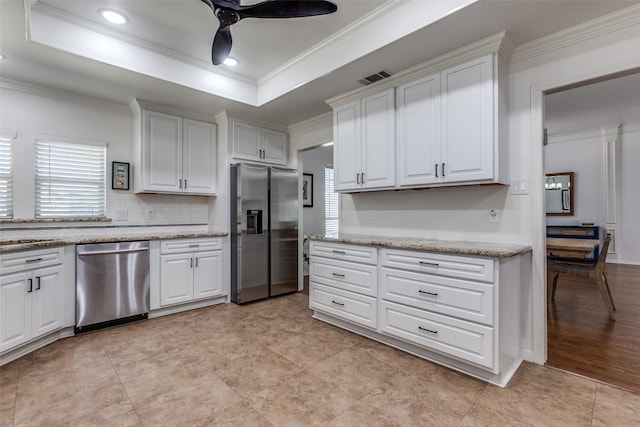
(593, 407)
(135, 410)
(486, 387)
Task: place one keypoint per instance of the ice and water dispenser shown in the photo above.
(254, 221)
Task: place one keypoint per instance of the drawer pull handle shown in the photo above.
(339, 252)
(428, 330)
(337, 274)
(432, 264)
(431, 294)
(337, 303)
(194, 246)
(33, 260)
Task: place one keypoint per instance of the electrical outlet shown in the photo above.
(122, 215)
(373, 214)
(151, 214)
(494, 215)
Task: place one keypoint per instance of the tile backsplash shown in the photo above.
(126, 208)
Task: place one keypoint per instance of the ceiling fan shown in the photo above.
(229, 12)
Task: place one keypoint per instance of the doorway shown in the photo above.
(320, 208)
(581, 124)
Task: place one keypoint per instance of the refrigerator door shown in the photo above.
(284, 231)
(249, 233)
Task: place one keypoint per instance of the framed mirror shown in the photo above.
(558, 190)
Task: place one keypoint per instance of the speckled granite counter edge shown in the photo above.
(20, 245)
(484, 249)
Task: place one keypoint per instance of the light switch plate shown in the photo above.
(519, 186)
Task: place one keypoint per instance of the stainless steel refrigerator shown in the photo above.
(264, 232)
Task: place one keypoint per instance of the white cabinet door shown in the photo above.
(207, 280)
(46, 304)
(176, 278)
(347, 158)
(274, 147)
(246, 142)
(364, 143)
(418, 130)
(258, 144)
(15, 310)
(468, 121)
(200, 150)
(378, 141)
(162, 151)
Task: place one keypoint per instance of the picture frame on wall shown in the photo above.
(307, 190)
(119, 175)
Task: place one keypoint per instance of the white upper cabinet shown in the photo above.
(418, 120)
(468, 121)
(447, 127)
(364, 143)
(174, 154)
(259, 144)
(442, 122)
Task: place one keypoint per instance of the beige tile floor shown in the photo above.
(270, 363)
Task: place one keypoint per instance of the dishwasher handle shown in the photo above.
(115, 251)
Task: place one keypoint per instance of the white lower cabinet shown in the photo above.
(31, 296)
(459, 311)
(465, 340)
(190, 269)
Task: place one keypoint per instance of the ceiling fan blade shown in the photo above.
(221, 45)
(286, 9)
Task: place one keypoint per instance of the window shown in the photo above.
(70, 180)
(6, 179)
(331, 223)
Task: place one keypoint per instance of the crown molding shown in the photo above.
(351, 28)
(619, 20)
(600, 132)
(59, 94)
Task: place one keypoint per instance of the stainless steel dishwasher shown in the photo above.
(112, 284)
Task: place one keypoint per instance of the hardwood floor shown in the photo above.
(581, 337)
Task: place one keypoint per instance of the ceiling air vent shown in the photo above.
(375, 77)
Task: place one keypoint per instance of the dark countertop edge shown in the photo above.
(76, 240)
(453, 247)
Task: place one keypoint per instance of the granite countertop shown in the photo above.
(28, 243)
(457, 247)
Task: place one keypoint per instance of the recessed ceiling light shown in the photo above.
(230, 62)
(113, 16)
(2, 57)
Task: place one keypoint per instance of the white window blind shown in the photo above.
(70, 180)
(6, 179)
(331, 212)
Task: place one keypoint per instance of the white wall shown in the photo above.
(314, 162)
(34, 110)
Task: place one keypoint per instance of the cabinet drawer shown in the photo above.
(351, 276)
(440, 264)
(363, 254)
(189, 245)
(457, 338)
(25, 260)
(356, 308)
(454, 297)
